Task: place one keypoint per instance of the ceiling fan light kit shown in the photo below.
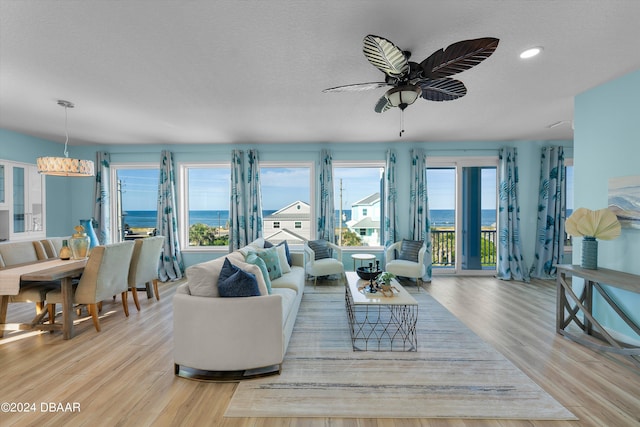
(403, 96)
(429, 79)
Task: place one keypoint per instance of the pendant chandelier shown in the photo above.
(65, 166)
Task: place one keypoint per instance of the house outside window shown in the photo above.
(357, 203)
(287, 199)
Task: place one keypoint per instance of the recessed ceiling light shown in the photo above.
(530, 53)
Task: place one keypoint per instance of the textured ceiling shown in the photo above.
(203, 71)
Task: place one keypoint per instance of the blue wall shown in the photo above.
(607, 145)
(71, 199)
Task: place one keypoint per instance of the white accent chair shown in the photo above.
(105, 275)
(143, 272)
(324, 266)
(404, 267)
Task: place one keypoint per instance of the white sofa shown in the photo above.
(213, 333)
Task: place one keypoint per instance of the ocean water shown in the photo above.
(147, 219)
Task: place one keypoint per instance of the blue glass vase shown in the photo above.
(88, 228)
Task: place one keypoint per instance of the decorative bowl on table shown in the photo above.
(366, 273)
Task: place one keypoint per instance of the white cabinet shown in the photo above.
(22, 216)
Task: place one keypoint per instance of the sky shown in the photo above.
(209, 188)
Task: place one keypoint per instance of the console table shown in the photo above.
(569, 306)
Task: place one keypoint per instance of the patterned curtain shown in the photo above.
(419, 205)
(551, 214)
(254, 228)
(171, 265)
(326, 221)
(102, 206)
(510, 260)
(237, 219)
(390, 197)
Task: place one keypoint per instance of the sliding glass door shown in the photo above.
(462, 207)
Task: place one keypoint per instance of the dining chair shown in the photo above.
(16, 253)
(144, 267)
(105, 275)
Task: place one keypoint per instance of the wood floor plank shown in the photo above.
(123, 376)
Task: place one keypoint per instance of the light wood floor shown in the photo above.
(123, 376)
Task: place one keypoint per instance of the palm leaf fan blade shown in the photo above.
(458, 57)
(382, 105)
(385, 56)
(357, 87)
(446, 89)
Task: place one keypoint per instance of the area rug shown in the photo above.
(453, 374)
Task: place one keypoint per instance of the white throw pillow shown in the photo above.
(282, 257)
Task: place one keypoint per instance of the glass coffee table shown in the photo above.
(378, 322)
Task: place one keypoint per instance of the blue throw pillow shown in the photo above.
(320, 248)
(239, 284)
(272, 261)
(254, 259)
(227, 270)
(409, 250)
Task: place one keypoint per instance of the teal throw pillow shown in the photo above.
(320, 248)
(409, 250)
(239, 284)
(254, 259)
(272, 261)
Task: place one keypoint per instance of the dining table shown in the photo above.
(54, 271)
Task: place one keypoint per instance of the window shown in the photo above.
(287, 202)
(134, 209)
(204, 205)
(357, 203)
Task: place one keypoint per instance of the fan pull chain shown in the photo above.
(401, 123)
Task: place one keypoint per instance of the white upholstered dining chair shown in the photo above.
(105, 275)
(143, 272)
(16, 253)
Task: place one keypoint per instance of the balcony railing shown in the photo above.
(443, 242)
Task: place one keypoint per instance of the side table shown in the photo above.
(362, 258)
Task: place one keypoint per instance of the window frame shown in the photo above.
(457, 163)
(182, 189)
(113, 185)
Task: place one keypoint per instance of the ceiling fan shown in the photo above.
(429, 79)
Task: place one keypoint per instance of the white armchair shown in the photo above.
(323, 264)
(396, 262)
